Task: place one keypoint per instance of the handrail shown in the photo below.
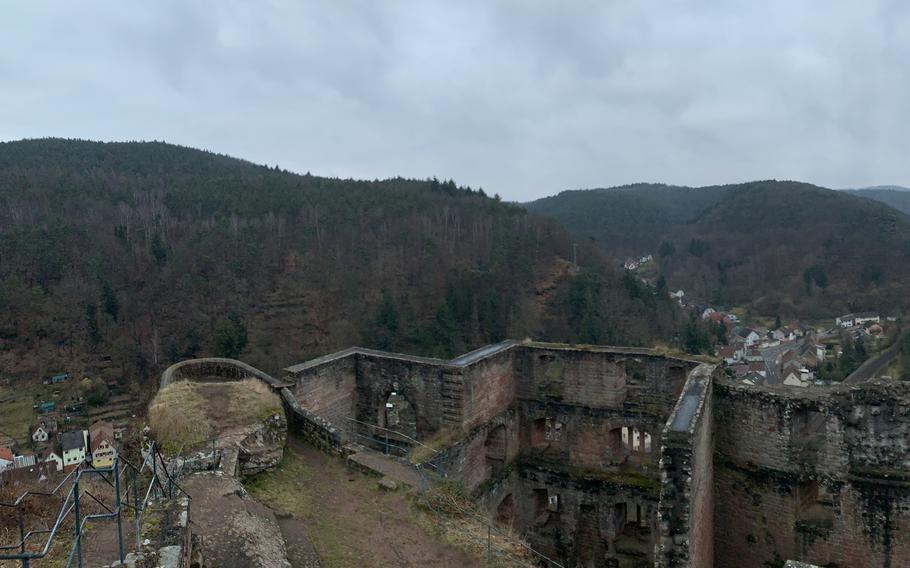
(27, 493)
(396, 432)
(112, 476)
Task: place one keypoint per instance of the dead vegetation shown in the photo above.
(185, 414)
(454, 518)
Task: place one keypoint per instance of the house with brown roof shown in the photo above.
(101, 444)
(53, 458)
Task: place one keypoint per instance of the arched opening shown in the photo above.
(398, 420)
(496, 449)
(505, 512)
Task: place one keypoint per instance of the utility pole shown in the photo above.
(575, 255)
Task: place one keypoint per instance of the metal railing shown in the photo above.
(428, 481)
(123, 476)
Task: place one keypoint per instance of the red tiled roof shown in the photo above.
(99, 437)
(6, 453)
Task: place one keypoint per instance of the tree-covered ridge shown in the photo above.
(151, 252)
(776, 247)
(896, 198)
(628, 220)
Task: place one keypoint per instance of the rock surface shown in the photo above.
(262, 446)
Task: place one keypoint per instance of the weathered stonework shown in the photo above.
(624, 457)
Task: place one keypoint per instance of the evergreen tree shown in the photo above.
(91, 323)
(383, 332)
(230, 337)
(109, 300)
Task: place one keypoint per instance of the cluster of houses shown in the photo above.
(788, 355)
(635, 263)
(65, 451)
(853, 320)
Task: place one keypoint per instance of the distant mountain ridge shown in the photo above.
(776, 247)
(892, 195)
(880, 188)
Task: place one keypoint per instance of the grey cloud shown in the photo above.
(523, 98)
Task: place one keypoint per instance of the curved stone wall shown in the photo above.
(214, 368)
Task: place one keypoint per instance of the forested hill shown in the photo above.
(628, 220)
(775, 247)
(150, 253)
(893, 196)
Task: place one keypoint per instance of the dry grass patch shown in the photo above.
(252, 400)
(185, 414)
(178, 417)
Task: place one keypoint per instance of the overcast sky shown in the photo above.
(522, 98)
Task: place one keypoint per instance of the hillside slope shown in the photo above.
(774, 247)
(149, 252)
(892, 196)
(629, 220)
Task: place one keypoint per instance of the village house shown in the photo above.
(101, 436)
(57, 379)
(748, 336)
(44, 430)
(39, 434)
(6, 458)
(73, 445)
(851, 320)
(52, 457)
(730, 354)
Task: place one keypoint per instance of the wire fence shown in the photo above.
(431, 473)
(135, 488)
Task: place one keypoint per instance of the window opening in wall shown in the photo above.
(615, 440)
(553, 502)
(635, 440)
(397, 415)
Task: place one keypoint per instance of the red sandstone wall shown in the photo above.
(488, 389)
(329, 390)
(836, 494)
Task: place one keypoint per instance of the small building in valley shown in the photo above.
(73, 445)
(101, 436)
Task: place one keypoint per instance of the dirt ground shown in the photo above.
(347, 518)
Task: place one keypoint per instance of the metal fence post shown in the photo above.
(154, 471)
(22, 535)
(119, 505)
(78, 523)
(136, 504)
(489, 544)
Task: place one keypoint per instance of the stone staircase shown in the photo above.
(452, 398)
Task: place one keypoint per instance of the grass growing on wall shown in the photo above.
(178, 417)
(185, 414)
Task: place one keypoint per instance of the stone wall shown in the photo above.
(214, 368)
(686, 513)
(328, 386)
(578, 520)
(488, 388)
(820, 475)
